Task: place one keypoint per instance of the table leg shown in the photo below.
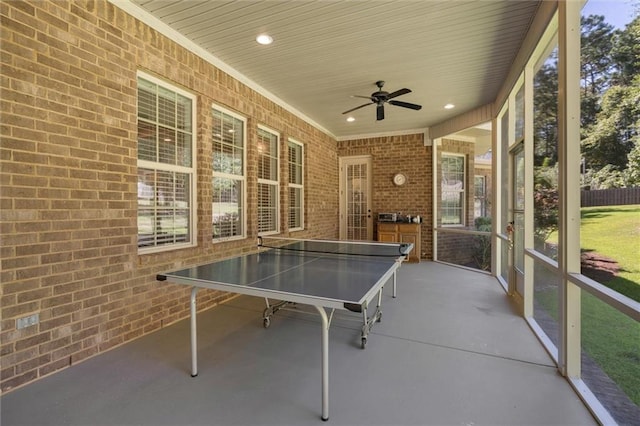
(394, 284)
(325, 362)
(194, 334)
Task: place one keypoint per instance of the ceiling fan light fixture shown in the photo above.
(381, 97)
(264, 39)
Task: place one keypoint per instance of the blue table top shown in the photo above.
(289, 274)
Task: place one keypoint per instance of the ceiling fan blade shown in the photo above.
(406, 105)
(358, 107)
(380, 112)
(398, 93)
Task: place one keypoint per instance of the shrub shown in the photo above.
(482, 244)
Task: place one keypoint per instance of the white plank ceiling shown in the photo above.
(324, 51)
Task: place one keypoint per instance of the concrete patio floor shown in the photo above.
(450, 350)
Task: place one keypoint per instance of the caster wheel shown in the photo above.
(266, 322)
(363, 343)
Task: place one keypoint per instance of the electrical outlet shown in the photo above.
(27, 321)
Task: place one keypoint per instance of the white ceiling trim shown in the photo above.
(461, 138)
(138, 13)
(424, 130)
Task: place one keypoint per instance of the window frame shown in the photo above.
(242, 178)
(293, 144)
(274, 184)
(156, 166)
(462, 192)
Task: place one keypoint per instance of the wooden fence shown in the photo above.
(610, 197)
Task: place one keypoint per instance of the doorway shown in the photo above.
(517, 199)
(356, 222)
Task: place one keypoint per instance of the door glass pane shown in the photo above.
(357, 203)
(518, 193)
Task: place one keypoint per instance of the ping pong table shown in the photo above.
(324, 274)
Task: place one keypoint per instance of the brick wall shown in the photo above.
(69, 185)
(399, 154)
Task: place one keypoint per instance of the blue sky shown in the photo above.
(616, 12)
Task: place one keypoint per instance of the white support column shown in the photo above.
(569, 183)
(434, 196)
(496, 200)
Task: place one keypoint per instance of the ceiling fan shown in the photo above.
(381, 97)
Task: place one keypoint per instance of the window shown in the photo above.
(296, 186)
(165, 166)
(480, 196)
(268, 199)
(453, 189)
(228, 213)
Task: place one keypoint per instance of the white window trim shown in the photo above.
(242, 178)
(464, 191)
(298, 186)
(192, 171)
(275, 183)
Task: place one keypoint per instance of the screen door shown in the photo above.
(517, 208)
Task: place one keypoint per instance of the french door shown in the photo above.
(356, 222)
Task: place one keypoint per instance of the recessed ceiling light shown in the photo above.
(264, 39)
(350, 119)
(449, 106)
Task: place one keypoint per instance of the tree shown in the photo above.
(632, 174)
(610, 139)
(611, 98)
(545, 86)
(596, 64)
(625, 54)
(545, 203)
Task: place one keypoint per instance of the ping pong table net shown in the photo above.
(334, 247)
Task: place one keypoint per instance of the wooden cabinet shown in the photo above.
(401, 233)
(387, 232)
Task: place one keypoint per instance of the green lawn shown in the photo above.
(609, 337)
(614, 231)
